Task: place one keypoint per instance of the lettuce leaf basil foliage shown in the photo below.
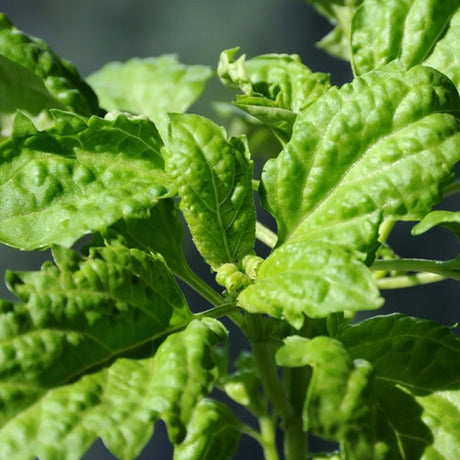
(102, 341)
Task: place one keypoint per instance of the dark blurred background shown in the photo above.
(91, 33)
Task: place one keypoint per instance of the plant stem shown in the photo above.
(447, 269)
(385, 229)
(265, 235)
(398, 282)
(452, 188)
(198, 285)
(268, 438)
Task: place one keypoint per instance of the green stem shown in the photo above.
(385, 229)
(447, 269)
(265, 235)
(225, 309)
(267, 368)
(452, 188)
(268, 438)
(198, 285)
(398, 282)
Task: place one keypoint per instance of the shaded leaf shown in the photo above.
(77, 177)
(276, 87)
(213, 434)
(214, 179)
(151, 87)
(32, 74)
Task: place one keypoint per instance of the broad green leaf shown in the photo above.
(413, 31)
(32, 74)
(338, 403)
(77, 177)
(213, 434)
(214, 179)
(276, 87)
(316, 279)
(152, 86)
(355, 157)
(118, 403)
(340, 14)
(418, 382)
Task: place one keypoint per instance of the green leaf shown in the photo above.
(35, 78)
(276, 87)
(213, 433)
(160, 232)
(448, 219)
(417, 382)
(338, 404)
(152, 86)
(119, 403)
(214, 179)
(77, 177)
(354, 159)
(413, 31)
(300, 278)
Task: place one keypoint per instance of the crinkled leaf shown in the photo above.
(413, 31)
(276, 87)
(382, 146)
(152, 86)
(338, 403)
(417, 382)
(317, 279)
(214, 179)
(79, 176)
(213, 433)
(119, 403)
(32, 74)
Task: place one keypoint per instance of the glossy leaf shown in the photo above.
(214, 433)
(301, 278)
(214, 179)
(354, 159)
(151, 87)
(448, 219)
(119, 403)
(356, 156)
(80, 176)
(276, 87)
(61, 85)
(413, 31)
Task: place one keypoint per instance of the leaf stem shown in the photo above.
(452, 188)
(265, 235)
(385, 229)
(268, 438)
(446, 269)
(417, 279)
(198, 285)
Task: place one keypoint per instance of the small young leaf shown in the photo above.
(300, 278)
(62, 86)
(82, 175)
(119, 403)
(151, 87)
(448, 219)
(214, 179)
(212, 434)
(276, 87)
(413, 31)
